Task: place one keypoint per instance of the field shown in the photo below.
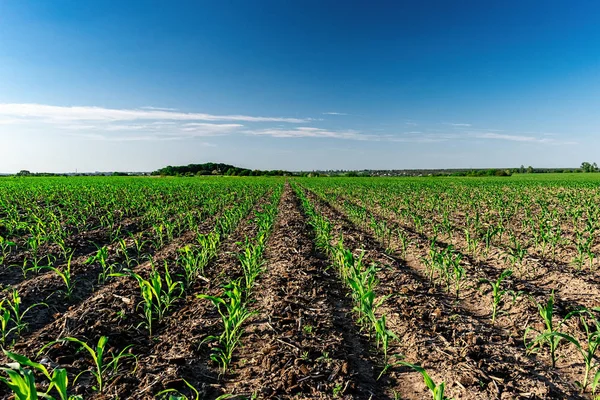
(355, 288)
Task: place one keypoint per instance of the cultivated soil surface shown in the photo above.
(302, 341)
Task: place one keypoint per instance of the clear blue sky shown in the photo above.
(137, 85)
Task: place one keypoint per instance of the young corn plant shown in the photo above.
(209, 243)
(586, 349)
(192, 261)
(159, 232)
(158, 294)
(65, 250)
(383, 233)
(252, 263)
(21, 381)
(65, 275)
(437, 391)
(103, 369)
(29, 266)
(123, 251)
(517, 253)
(497, 291)
(11, 316)
(101, 257)
(139, 242)
(404, 241)
(174, 394)
(472, 242)
(5, 248)
(549, 335)
(233, 311)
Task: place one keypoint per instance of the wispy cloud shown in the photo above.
(457, 124)
(138, 138)
(159, 124)
(168, 130)
(210, 129)
(311, 132)
(158, 108)
(420, 137)
(50, 113)
(520, 138)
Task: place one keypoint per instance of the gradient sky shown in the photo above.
(137, 85)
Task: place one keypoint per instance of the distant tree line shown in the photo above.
(215, 169)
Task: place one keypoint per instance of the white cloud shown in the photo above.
(62, 114)
(514, 138)
(457, 125)
(334, 113)
(305, 131)
(158, 108)
(519, 138)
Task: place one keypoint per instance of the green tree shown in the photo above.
(587, 167)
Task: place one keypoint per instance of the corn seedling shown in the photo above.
(174, 394)
(404, 242)
(123, 250)
(138, 242)
(587, 349)
(437, 391)
(158, 294)
(21, 381)
(101, 257)
(103, 368)
(65, 275)
(11, 314)
(5, 248)
(233, 313)
(192, 261)
(548, 336)
(251, 262)
(497, 291)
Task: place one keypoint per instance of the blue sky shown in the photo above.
(102, 85)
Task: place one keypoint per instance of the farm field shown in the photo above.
(356, 288)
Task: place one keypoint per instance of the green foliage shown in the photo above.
(214, 169)
(21, 380)
(437, 391)
(158, 294)
(11, 316)
(550, 335)
(233, 311)
(102, 367)
(497, 291)
(65, 275)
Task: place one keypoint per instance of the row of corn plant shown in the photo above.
(362, 281)
(233, 303)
